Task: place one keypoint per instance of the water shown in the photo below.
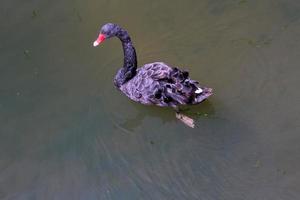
(67, 133)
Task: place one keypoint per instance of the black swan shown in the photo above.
(155, 83)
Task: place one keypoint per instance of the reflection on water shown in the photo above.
(67, 133)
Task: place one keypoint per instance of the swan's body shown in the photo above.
(161, 85)
(155, 83)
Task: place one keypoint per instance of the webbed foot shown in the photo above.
(185, 119)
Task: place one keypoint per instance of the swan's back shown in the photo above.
(162, 85)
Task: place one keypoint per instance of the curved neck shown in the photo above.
(130, 61)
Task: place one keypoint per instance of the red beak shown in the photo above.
(100, 39)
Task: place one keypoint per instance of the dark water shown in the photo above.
(67, 133)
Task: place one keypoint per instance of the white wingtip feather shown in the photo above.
(198, 91)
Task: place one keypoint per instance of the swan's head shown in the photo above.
(107, 31)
